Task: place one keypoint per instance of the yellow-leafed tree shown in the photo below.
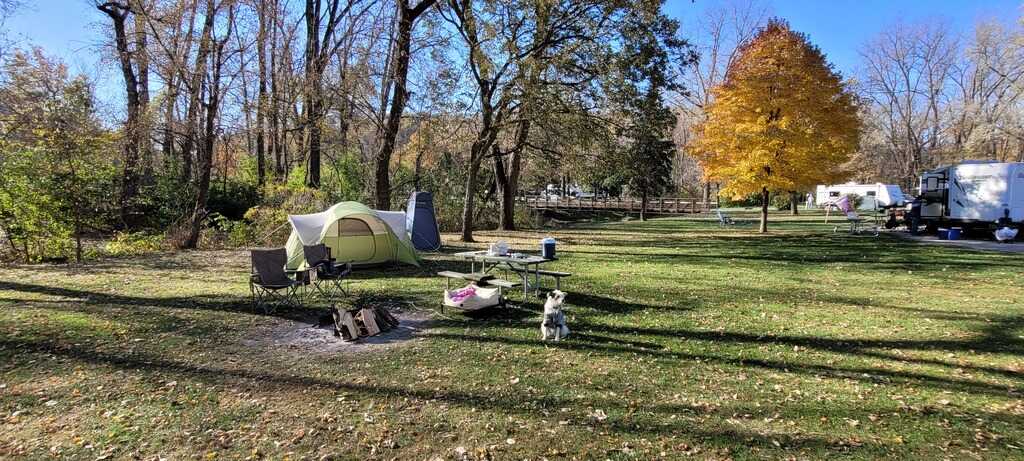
(782, 121)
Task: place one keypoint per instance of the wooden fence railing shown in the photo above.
(654, 205)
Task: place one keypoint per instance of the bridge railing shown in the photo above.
(654, 205)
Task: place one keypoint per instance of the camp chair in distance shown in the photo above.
(325, 275)
(856, 223)
(724, 219)
(269, 283)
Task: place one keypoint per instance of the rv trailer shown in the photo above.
(873, 196)
(973, 194)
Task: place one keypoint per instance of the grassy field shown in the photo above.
(688, 341)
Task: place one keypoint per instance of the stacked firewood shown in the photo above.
(352, 324)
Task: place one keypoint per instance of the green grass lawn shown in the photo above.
(688, 341)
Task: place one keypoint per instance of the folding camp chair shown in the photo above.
(724, 219)
(326, 275)
(269, 282)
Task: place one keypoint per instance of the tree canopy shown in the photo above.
(783, 120)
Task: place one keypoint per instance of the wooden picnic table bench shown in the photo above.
(485, 279)
(521, 264)
(557, 275)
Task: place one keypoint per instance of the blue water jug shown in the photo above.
(547, 248)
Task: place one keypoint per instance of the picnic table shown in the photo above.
(523, 264)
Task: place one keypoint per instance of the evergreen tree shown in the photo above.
(645, 75)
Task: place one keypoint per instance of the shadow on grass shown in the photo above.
(616, 306)
(856, 373)
(219, 302)
(620, 421)
(883, 253)
(998, 335)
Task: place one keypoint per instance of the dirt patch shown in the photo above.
(306, 336)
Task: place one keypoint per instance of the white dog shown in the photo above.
(554, 325)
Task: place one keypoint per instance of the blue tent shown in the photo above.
(422, 223)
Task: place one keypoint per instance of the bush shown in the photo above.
(231, 199)
(782, 201)
(268, 222)
(753, 200)
(135, 243)
(165, 201)
(345, 179)
(226, 233)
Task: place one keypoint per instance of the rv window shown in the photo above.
(933, 183)
(833, 193)
(871, 193)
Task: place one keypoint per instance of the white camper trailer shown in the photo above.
(973, 193)
(873, 196)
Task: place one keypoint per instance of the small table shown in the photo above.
(524, 266)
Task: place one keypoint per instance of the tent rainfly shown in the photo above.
(396, 221)
(422, 223)
(353, 232)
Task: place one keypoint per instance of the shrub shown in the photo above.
(782, 201)
(268, 222)
(345, 179)
(231, 198)
(228, 233)
(748, 201)
(135, 243)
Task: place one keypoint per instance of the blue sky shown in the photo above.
(840, 27)
(70, 29)
(65, 28)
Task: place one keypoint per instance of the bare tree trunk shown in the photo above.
(167, 143)
(311, 104)
(318, 53)
(261, 102)
(470, 192)
(78, 235)
(794, 203)
(344, 106)
(205, 150)
(275, 95)
(764, 210)
(643, 205)
(118, 13)
(142, 63)
(406, 20)
(506, 184)
(507, 179)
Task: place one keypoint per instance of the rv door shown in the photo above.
(932, 192)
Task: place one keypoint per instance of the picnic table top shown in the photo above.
(481, 255)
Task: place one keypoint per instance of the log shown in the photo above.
(386, 317)
(352, 324)
(345, 325)
(369, 319)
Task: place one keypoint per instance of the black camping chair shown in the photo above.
(327, 276)
(269, 283)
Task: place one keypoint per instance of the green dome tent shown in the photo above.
(353, 233)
